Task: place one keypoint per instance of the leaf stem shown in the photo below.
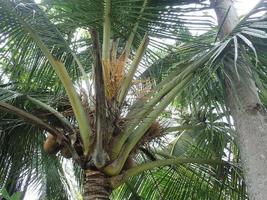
(30, 118)
(106, 30)
(122, 178)
(63, 75)
(128, 79)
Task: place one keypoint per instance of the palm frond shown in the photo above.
(22, 53)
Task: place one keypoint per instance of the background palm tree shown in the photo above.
(148, 118)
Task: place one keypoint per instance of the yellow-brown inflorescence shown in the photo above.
(114, 73)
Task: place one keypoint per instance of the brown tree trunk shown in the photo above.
(96, 186)
(248, 114)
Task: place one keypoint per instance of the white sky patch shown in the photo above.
(244, 6)
(31, 194)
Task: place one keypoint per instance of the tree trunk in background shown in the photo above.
(249, 116)
(96, 186)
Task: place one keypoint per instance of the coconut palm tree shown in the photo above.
(243, 99)
(147, 118)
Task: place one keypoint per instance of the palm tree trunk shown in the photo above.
(250, 122)
(96, 186)
(248, 114)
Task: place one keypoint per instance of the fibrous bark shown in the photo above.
(96, 186)
(248, 113)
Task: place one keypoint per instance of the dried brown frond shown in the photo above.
(68, 112)
(135, 82)
(119, 125)
(130, 163)
(141, 88)
(155, 131)
(65, 152)
(84, 99)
